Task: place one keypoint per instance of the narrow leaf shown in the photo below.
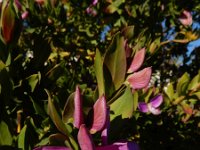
(115, 60)
(98, 65)
(55, 116)
(21, 138)
(68, 111)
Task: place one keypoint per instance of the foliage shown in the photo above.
(49, 47)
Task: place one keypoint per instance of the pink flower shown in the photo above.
(99, 113)
(24, 15)
(186, 18)
(40, 1)
(8, 22)
(139, 79)
(152, 106)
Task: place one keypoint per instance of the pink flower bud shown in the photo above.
(25, 15)
(8, 22)
(186, 18)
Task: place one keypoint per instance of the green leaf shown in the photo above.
(182, 84)
(115, 60)
(170, 91)
(135, 101)
(197, 94)
(38, 109)
(124, 105)
(33, 80)
(55, 116)
(59, 123)
(128, 32)
(68, 111)
(22, 138)
(98, 65)
(194, 83)
(5, 136)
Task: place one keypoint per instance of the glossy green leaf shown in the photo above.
(22, 138)
(197, 94)
(33, 80)
(68, 111)
(183, 83)
(170, 91)
(38, 109)
(98, 65)
(135, 101)
(55, 116)
(5, 135)
(59, 123)
(124, 105)
(115, 60)
(194, 83)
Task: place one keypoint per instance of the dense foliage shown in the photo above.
(127, 53)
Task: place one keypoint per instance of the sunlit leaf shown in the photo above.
(5, 135)
(22, 138)
(194, 83)
(115, 60)
(183, 83)
(98, 65)
(170, 91)
(124, 105)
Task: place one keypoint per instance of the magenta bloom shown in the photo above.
(99, 116)
(86, 143)
(152, 106)
(52, 148)
(25, 15)
(139, 79)
(186, 18)
(78, 114)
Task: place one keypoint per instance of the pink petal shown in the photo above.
(120, 146)
(78, 113)
(8, 22)
(186, 18)
(85, 139)
(137, 61)
(52, 148)
(94, 2)
(156, 101)
(104, 133)
(143, 107)
(25, 15)
(140, 79)
(18, 4)
(100, 115)
(153, 110)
